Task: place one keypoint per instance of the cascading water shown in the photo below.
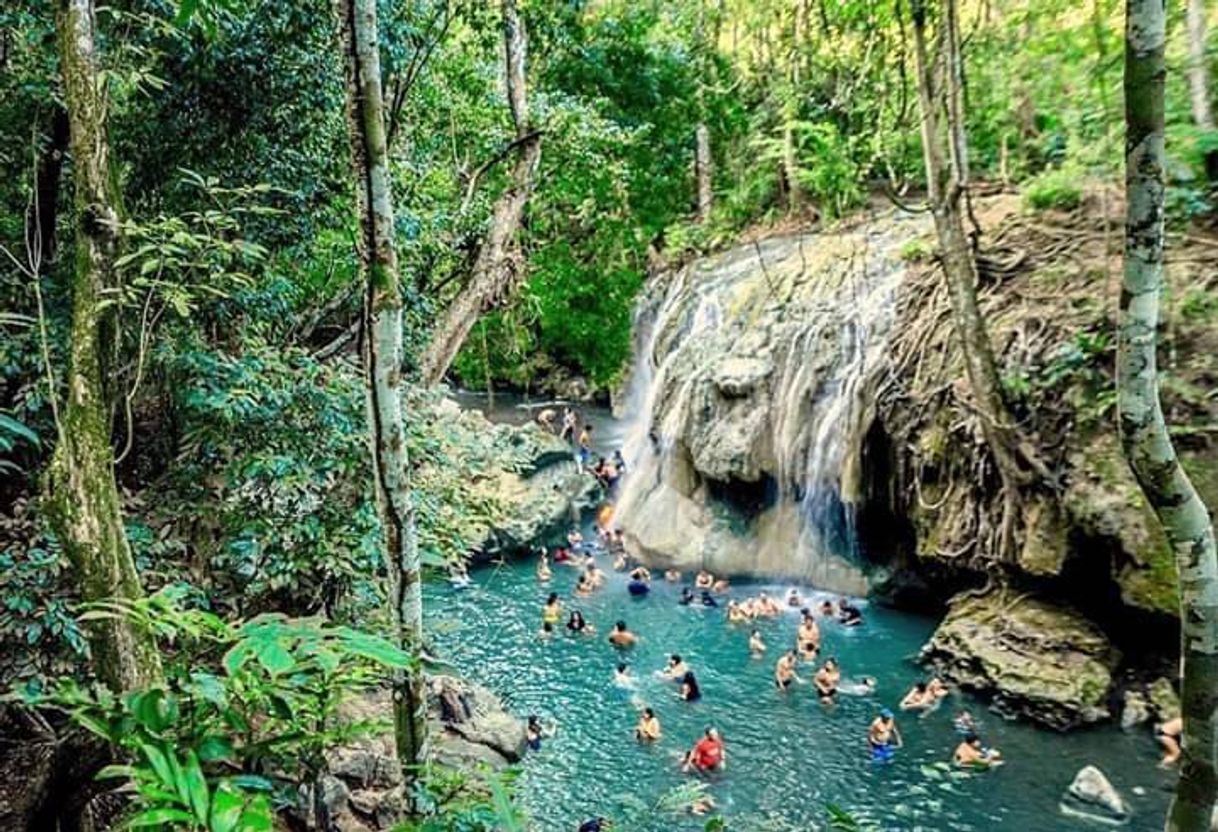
(749, 395)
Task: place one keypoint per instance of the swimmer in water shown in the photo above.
(736, 615)
(583, 587)
(708, 600)
(551, 612)
(621, 637)
(865, 686)
(622, 677)
(848, 614)
(543, 567)
(793, 599)
(672, 576)
(720, 586)
(641, 573)
(756, 645)
(937, 688)
(883, 737)
(687, 596)
(534, 732)
(784, 670)
(708, 754)
(826, 608)
(675, 669)
(919, 697)
(578, 626)
(826, 680)
(964, 722)
(648, 727)
(620, 563)
(970, 752)
(575, 540)
(808, 638)
(690, 692)
(705, 580)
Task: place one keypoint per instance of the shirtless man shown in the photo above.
(784, 671)
(919, 697)
(970, 752)
(545, 419)
(569, 421)
(808, 638)
(675, 669)
(705, 580)
(621, 637)
(883, 737)
(1168, 735)
(826, 680)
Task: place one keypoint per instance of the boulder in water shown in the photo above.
(1163, 697)
(1135, 711)
(1042, 661)
(1092, 796)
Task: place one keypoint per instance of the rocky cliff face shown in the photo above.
(800, 411)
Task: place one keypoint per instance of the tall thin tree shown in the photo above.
(497, 269)
(1144, 433)
(947, 185)
(382, 359)
(85, 505)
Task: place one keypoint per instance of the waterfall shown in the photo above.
(753, 374)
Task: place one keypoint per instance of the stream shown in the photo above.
(789, 756)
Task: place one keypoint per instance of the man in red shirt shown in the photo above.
(708, 754)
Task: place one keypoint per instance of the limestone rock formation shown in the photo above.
(1093, 797)
(1039, 660)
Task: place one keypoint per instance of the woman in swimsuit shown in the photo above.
(690, 691)
(551, 613)
(648, 729)
(576, 624)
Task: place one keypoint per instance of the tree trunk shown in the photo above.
(790, 154)
(1198, 79)
(702, 171)
(1144, 434)
(497, 271)
(382, 356)
(947, 185)
(85, 504)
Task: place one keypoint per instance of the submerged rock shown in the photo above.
(1039, 660)
(1135, 711)
(1092, 796)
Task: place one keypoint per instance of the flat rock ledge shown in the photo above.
(363, 790)
(1041, 661)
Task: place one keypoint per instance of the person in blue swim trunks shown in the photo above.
(883, 737)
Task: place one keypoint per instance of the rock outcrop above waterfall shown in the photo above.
(1041, 660)
(802, 412)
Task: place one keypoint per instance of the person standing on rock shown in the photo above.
(569, 422)
(1168, 735)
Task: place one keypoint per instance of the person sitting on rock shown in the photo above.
(575, 540)
(622, 637)
(569, 422)
(970, 752)
(1168, 735)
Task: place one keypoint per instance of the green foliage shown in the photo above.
(245, 714)
(1057, 189)
(1082, 368)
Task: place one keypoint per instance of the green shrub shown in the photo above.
(1056, 189)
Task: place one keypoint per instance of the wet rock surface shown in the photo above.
(1093, 797)
(1039, 660)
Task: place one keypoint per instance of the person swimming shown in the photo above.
(970, 752)
(808, 638)
(622, 676)
(937, 688)
(687, 596)
(672, 576)
(784, 670)
(826, 608)
(793, 599)
(708, 600)
(577, 624)
(964, 722)
(848, 614)
(575, 540)
(720, 586)
(648, 727)
(551, 613)
(865, 686)
(621, 563)
(708, 754)
(534, 732)
(736, 614)
(919, 697)
(675, 669)
(704, 580)
(622, 637)
(756, 645)
(690, 691)
(826, 680)
(883, 737)
(583, 587)
(543, 567)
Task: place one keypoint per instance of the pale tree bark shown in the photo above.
(947, 184)
(85, 505)
(1144, 434)
(703, 170)
(498, 269)
(382, 358)
(1198, 75)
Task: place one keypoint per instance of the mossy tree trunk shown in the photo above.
(1144, 434)
(947, 185)
(84, 500)
(382, 358)
(498, 269)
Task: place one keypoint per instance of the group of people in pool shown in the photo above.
(883, 736)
